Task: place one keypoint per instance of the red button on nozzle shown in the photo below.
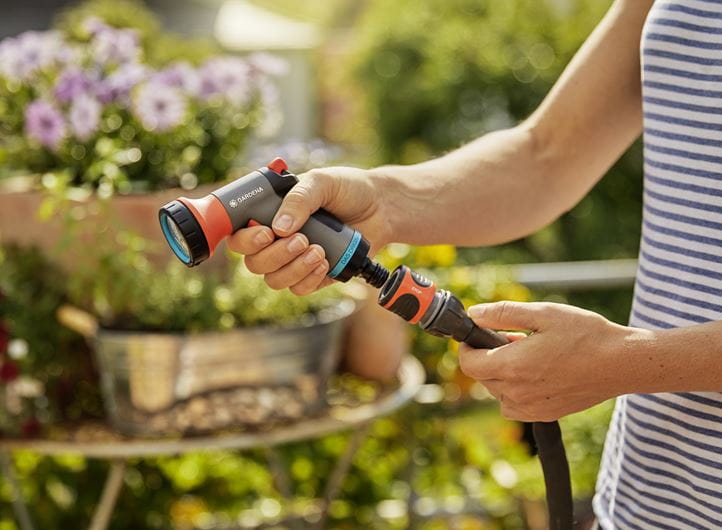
(278, 165)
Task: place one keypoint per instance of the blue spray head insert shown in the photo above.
(183, 233)
(174, 237)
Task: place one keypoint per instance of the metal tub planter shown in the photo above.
(168, 383)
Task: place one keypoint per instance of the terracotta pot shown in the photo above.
(377, 341)
(138, 213)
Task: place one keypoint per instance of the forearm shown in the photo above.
(474, 195)
(674, 360)
(508, 184)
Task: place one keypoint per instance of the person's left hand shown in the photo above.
(572, 360)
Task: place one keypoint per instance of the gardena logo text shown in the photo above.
(238, 200)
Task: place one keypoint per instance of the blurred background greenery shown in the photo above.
(380, 82)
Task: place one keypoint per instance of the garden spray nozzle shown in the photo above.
(194, 227)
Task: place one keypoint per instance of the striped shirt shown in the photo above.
(662, 463)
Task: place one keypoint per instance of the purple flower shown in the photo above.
(72, 83)
(159, 107)
(44, 124)
(115, 46)
(180, 75)
(228, 77)
(69, 55)
(84, 116)
(118, 85)
(24, 55)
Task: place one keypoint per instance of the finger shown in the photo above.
(251, 240)
(511, 315)
(297, 270)
(483, 365)
(313, 281)
(314, 189)
(326, 282)
(277, 255)
(514, 336)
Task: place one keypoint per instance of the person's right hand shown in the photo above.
(285, 257)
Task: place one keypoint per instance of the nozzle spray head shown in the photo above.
(195, 227)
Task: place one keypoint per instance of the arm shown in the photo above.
(575, 359)
(474, 195)
(544, 166)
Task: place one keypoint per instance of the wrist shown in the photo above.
(405, 195)
(634, 352)
(668, 360)
(394, 202)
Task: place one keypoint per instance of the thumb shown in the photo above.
(510, 315)
(314, 189)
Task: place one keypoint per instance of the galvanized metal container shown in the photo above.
(161, 383)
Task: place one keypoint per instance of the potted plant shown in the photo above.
(94, 107)
(183, 350)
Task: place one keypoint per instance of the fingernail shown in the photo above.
(321, 269)
(313, 256)
(476, 311)
(263, 238)
(297, 244)
(283, 223)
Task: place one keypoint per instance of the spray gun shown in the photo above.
(194, 228)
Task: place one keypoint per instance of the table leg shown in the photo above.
(19, 506)
(411, 416)
(335, 481)
(111, 490)
(282, 481)
(279, 472)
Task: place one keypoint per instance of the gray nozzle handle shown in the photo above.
(253, 197)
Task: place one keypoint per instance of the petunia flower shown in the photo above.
(44, 124)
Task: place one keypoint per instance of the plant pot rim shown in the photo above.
(344, 307)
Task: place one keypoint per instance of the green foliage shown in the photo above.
(468, 451)
(441, 73)
(161, 48)
(444, 72)
(117, 13)
(54, 359)
(129, 293)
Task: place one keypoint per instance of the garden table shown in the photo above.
(119, 449)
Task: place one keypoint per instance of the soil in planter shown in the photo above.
(248, 407)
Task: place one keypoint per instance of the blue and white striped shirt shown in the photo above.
(662, 463)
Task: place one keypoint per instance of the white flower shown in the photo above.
(159, 107)
(27, 387)
(84, 116)
(17, 348)
(227, 76)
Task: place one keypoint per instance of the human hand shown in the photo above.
(285, 257)
(572, 360)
